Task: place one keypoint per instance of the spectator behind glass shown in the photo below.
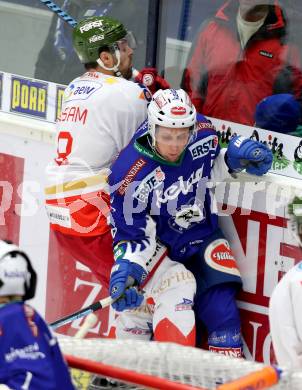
(57, 60)
(239, 57)
(280, 113)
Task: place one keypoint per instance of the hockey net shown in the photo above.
(170, 366)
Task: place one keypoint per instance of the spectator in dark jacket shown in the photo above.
(57, 60)
(241, 56)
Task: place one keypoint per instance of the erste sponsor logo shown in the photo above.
(204, 146)
(151, 181)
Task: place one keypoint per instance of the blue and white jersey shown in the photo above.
(155, 199)
(30, 357)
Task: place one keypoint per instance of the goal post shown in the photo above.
(127, 376)
(171, 366)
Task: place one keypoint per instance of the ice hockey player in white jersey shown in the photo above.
(285, 308)
(101, 110)
(160, 198)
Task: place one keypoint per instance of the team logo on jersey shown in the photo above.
(204, 146)
(218, 255)
(186, 304)
(150, 182)
(131, 174)
(186, 217)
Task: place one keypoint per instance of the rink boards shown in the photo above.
(252, 215)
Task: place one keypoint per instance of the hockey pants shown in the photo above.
(166, 312)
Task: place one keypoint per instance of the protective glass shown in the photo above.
(128, 41)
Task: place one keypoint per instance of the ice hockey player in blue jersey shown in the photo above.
(30, 358)
(161, 194)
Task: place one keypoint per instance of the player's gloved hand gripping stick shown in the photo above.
(89, 309)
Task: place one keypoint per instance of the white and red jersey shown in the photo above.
(99, 115)
(285, 314)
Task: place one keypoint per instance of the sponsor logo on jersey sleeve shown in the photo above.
(204, 146)
(218, 255)
(131, 174)
(29, 97)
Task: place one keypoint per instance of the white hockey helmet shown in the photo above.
(171, 108)
(17, 276)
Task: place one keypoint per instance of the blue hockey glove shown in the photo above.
(124, 275)
(244, 153)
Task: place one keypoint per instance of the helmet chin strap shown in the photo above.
(115, 68)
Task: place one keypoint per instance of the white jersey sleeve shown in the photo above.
(285, 316)
(99, 116)
(220, 170)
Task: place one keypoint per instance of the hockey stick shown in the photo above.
(57, 10)
(89, 309)
(83, 312)
(88, 323)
